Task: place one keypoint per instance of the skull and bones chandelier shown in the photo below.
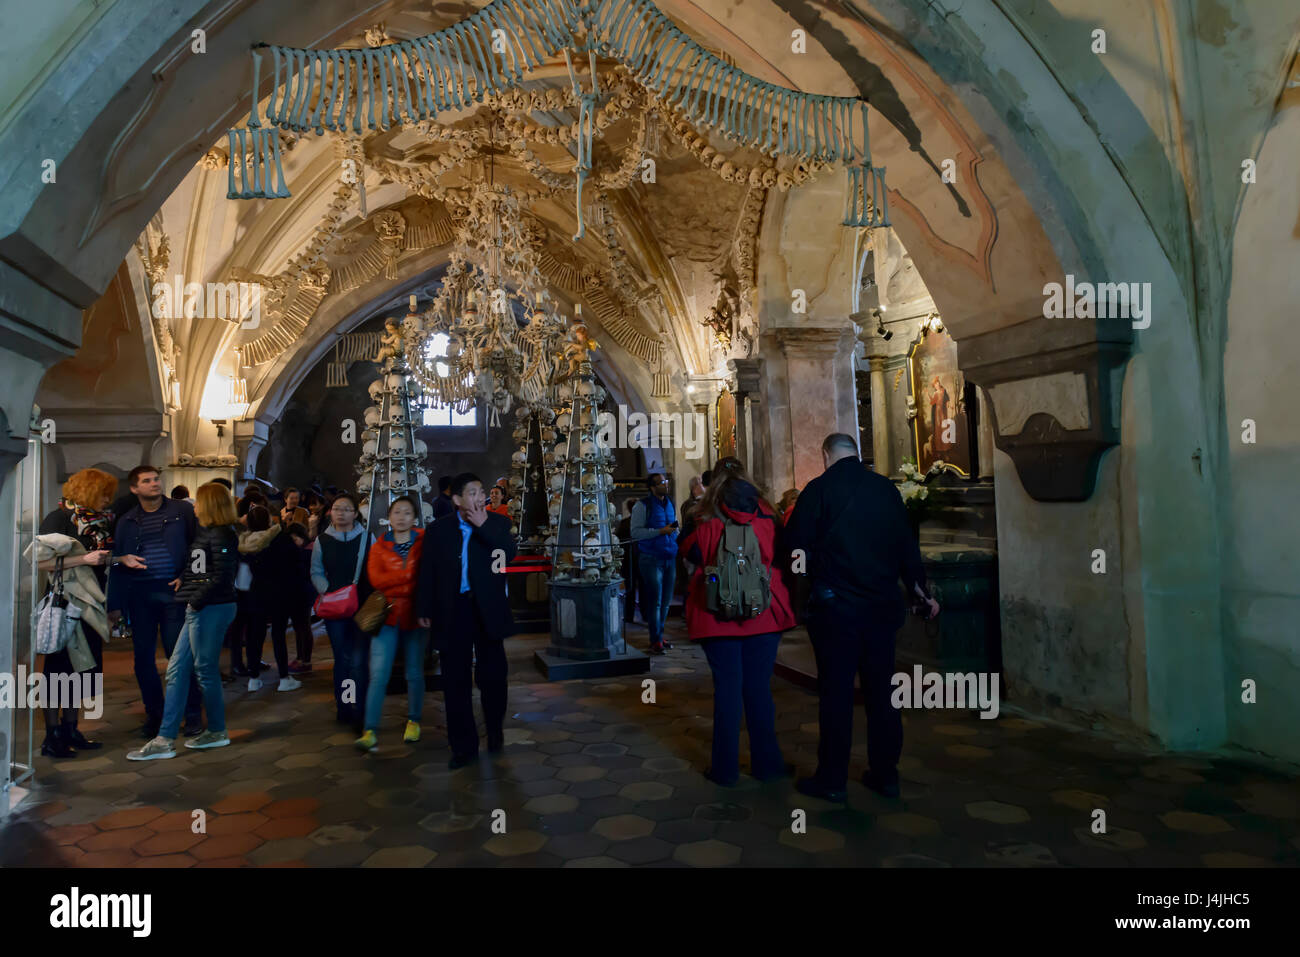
(502, 329)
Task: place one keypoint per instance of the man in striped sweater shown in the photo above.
(159, 530)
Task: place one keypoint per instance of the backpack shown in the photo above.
(738, 585)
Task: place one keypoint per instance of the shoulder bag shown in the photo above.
(56, 617)
(343, 602)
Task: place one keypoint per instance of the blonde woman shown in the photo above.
(207, 586)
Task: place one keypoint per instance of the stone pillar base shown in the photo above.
(587, 634)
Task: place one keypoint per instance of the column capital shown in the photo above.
(748, 375)
(813, 342)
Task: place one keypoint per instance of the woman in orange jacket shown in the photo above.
(391, 568)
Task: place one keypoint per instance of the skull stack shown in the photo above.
(586, 611)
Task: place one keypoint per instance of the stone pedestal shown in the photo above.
(527, 580)
(587, 634)
(967, 635)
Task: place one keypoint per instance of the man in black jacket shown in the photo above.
(462, 587)
(850, 527)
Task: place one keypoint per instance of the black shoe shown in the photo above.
(57, 745)
(149, 730)
(78, 740)
(496, 743)
(886, 785)
(667, 643)
(656, 649)
(461, 760)
(192, 729)
(239, 671)
(813, 788)
(710, 776)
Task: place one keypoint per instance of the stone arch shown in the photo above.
(100, 118)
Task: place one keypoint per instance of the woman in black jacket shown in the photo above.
(274, 561)
(207, 586)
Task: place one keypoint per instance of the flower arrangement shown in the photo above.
(917, 497)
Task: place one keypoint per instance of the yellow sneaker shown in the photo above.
(412, 732)
(367, 742)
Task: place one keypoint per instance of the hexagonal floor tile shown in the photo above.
(997, 812)
(405, 856)
(646, 791)
(1195, 823)
(710, 853)
(514, 843)
(552, 804)
(816, 840)
(624, 827)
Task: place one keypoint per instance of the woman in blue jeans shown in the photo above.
(741, 651)
(207, 586)
(392, 568)
(338, 560)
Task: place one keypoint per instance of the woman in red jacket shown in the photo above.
(391, 568)
(741, 652)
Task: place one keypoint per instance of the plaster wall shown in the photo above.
(1261, 590)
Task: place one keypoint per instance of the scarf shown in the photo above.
(91, 523)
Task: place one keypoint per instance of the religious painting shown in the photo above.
(940, 423)
(726, 419)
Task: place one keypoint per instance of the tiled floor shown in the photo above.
(594, 777)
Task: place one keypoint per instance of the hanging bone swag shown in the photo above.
(490, 52)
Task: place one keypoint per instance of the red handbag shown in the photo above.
(342, 602)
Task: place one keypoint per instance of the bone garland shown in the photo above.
(868, 202)
(455, 67)
(744, 253)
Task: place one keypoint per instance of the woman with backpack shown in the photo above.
(737, 605)
(392, 568)
(207, 587)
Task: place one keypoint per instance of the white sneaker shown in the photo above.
(254, 684)
(157, 748)
(208, 739)
(289, 684)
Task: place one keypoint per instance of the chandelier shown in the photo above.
(502, 329)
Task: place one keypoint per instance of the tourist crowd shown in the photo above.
(205, 573)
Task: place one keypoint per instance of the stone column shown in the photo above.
(250, 438)
(753, 443)
(879, 416)
(823, 397)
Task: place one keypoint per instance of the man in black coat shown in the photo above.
(850, 528)
(462, 597)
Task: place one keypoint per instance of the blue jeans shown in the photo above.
(657, 577)
(198, 655)
(742, 678)
(351, 663)
(383, 649)
(151, 608)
